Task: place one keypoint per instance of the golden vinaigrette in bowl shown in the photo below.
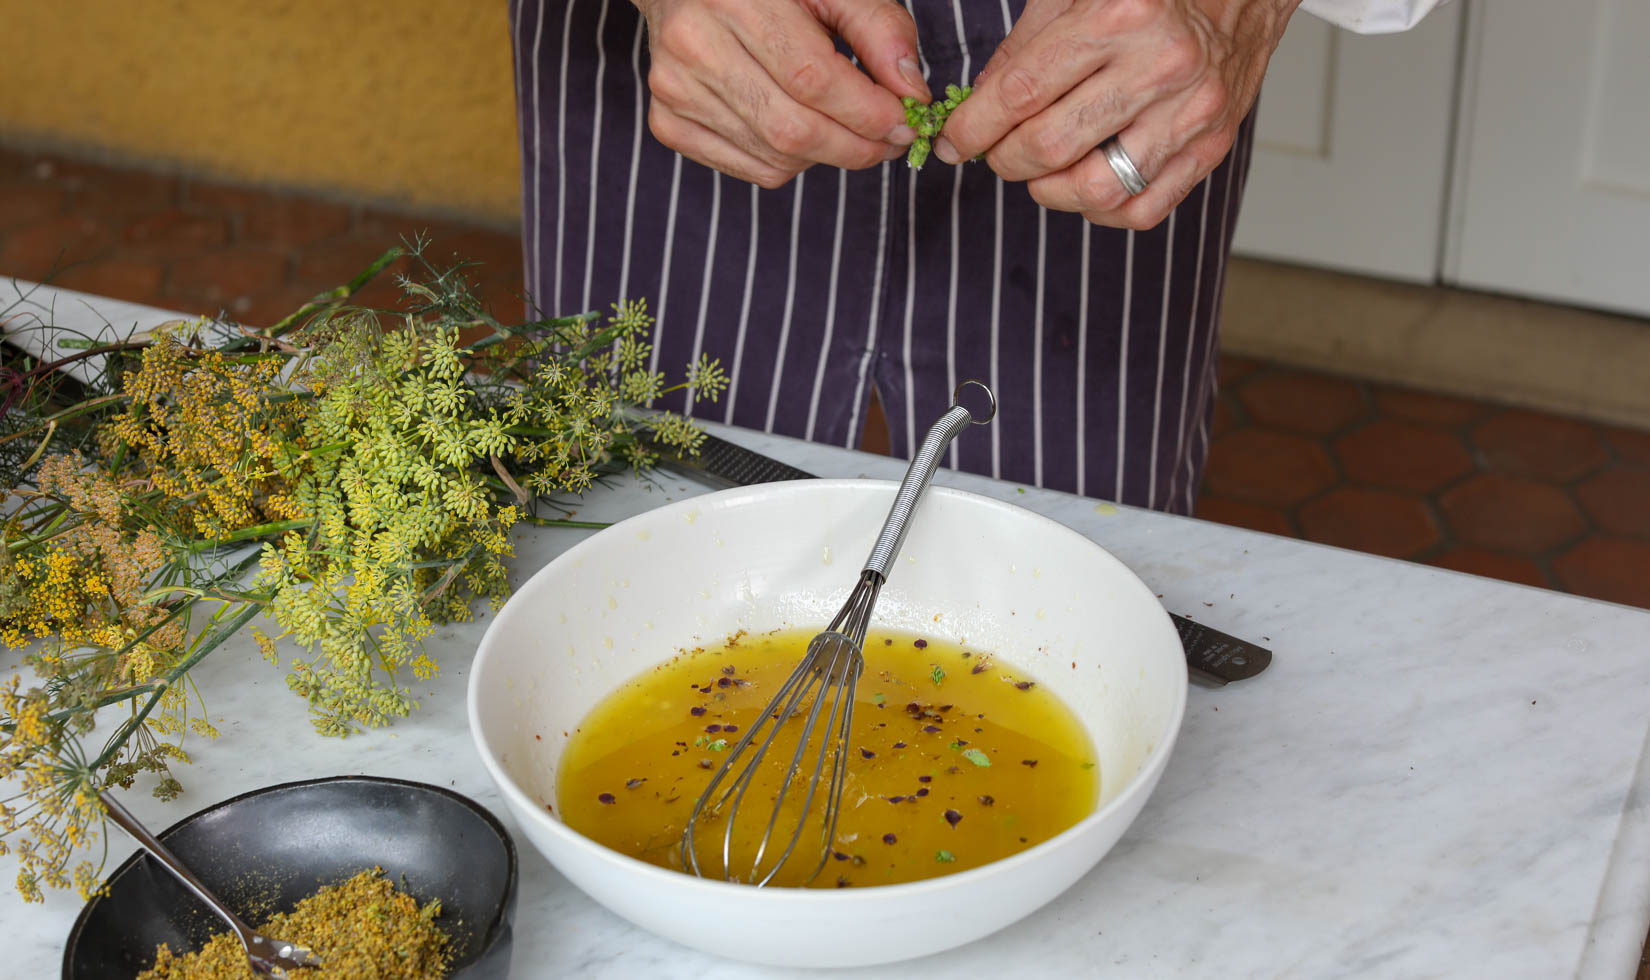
(954, 761)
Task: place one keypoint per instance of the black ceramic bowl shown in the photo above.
(264, 851)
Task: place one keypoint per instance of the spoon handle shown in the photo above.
(159, 851)
(921, 470)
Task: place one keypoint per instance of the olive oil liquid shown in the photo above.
(954, 761)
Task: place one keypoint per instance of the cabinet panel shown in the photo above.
(1553, 193)
(1352, 148)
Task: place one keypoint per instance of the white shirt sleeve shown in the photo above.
(1371, 16)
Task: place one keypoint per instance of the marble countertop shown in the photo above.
(1439, 775)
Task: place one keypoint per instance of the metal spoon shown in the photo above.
(268, 957)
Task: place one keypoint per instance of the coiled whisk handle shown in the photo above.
(921, 470)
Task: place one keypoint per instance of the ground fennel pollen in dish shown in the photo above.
(955, 760)
(363, 929)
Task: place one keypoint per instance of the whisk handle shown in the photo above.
(921, 470)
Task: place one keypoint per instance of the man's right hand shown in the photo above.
(757, 90)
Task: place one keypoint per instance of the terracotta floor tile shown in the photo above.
(34, 250)
(230, 276)
(337, 261)
(1380, 522)
(1493, 564)
(175, 233)
(1267, 467)
(1403, 455)
(1618, 500)
(1302, 402)
(24, 202)
(274, 220)
(1221, 418)
(268, 307)
(1238, 513)
(1229, 368)
(1632, 445)
(1537, 445)
(1511, 514)
(136, 280)
(1608, 568)
(1411, 405)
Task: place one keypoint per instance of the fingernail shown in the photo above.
(895, 152)
(912, 71)
(945, 151)
(902, 134)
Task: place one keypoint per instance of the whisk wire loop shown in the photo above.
(829, 671)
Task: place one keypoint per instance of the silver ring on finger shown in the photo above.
(1127, 173)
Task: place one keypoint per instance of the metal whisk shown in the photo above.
(825, 682)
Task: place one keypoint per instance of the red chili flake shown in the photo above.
(923, 791)
(966, 655)
(696, 711)
(1022, 840)
(899, 745)
(1026, 685)
(925, 779)
(724, 682)
(675, 751)
(538, 738)
(1029, 762)
(704, 763)
(606, 798)
(550, 808)
(961, 742)
(730, 728)
(713, 729)
(887, 643)
(952, 817)
(930, 729)
(728, 669)
(867, 753)
(839, 855)
(633, 783)
(979, 668)
(896, 799)
(705, 689)
(921, 644)
(889, 839)
(914, 708)
(841, 882)
(986, 801)
(946, 707)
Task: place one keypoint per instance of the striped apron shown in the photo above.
(1098, 343)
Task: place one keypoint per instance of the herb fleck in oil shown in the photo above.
(950, 766)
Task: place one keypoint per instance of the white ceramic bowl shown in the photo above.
(1000, 578)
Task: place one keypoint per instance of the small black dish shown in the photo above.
(263, 851)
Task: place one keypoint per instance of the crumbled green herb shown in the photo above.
(977, 757)
(927, 120)
(718, 745)
(878, 699)
(938, 674)
(701, 741)
(944, 857)
(1088, 765)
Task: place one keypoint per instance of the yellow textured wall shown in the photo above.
(408, 102)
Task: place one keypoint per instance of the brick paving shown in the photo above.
(1472, 486)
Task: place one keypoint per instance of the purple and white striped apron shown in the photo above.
(1098, 343)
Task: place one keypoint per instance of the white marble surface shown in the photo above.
(1439, 775)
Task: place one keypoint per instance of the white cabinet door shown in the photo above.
(1553, 192)
(1352, 148)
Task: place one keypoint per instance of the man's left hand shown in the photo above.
(1172, 79)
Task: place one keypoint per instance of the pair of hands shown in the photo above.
(756, 89)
